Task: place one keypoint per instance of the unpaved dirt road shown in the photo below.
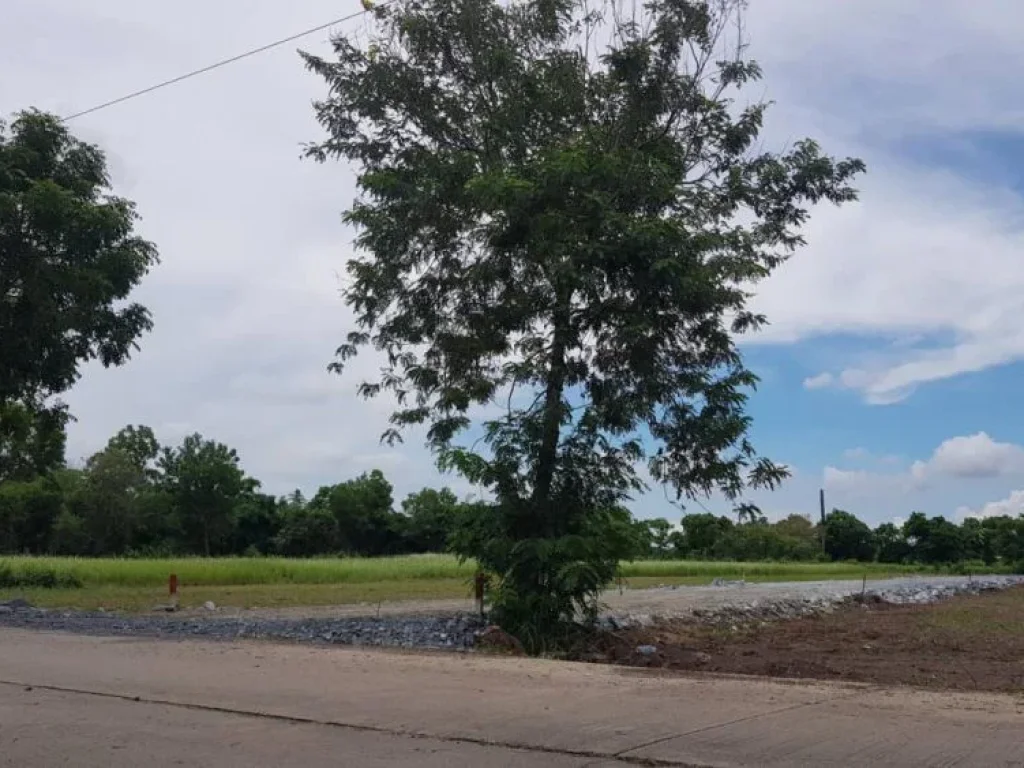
(661, 601)
(88, 701)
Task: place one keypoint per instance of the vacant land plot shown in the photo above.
(967, 643)
(138, 584)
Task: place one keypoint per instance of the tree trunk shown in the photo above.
(547, 455)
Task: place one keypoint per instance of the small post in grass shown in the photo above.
(478, 590)
(172, 589)
(863, 587)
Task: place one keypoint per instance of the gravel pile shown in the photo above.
(453, 633)
(818, 601)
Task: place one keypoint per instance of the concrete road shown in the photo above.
(83, 701)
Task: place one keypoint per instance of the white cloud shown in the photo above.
(976, 455)
(821, 381)
(970, 457)
(927, 261)
(858, 483)
(1011, 506)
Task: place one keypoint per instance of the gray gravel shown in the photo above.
(452, 633)
(722, 602)
(732, 602)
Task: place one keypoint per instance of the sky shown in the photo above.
(890, 369)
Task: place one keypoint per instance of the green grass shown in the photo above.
(199, 571)
(129, 584)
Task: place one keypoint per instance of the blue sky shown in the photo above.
(890, 370)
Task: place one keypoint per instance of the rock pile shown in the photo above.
(452, 633)
(918, 592)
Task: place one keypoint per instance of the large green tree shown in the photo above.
(69, 259)
(362, 509)
(431, 516)
(847, 538)
(206, 485)
(108, 501)
(571, 229)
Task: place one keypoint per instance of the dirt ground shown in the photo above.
(968, 643)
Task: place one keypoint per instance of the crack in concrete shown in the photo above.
(623, 754)
(481, 742)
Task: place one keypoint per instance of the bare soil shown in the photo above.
(968, 643)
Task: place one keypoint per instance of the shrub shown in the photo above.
(37, 577)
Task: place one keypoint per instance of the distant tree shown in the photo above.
(977, 542)
(69, 536)
(659, 530)
(69, 259)
(28, 511)
(847, 538)
(891, 544)
(140, 445)
(257, 521)
(431, 516)
(580, 228)
(704, 531)
(933, 540)
(1007, 536)
(799, 538)
(305, 529)
(678, 545)
(367, 524)
(106, 502)
(798, 527)
(206, 483)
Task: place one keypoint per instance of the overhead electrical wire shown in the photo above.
(218, 64)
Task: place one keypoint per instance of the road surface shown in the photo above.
(112, 702)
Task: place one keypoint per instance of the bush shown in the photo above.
(545, 589)
(36, 577)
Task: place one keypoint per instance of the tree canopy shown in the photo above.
(572, 230)
(69, 259)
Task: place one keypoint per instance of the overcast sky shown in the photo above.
(891, 370)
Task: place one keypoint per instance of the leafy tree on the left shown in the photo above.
(69, 259)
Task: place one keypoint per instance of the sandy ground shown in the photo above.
(662, 601)
(87, 701)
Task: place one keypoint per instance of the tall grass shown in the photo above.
(110, 572)
(765, 570)
(200, 571)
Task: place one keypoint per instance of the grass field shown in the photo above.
(130, 584)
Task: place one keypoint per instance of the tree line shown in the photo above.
(137, 497)
(843, 536)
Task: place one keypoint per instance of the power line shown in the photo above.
(217, 65)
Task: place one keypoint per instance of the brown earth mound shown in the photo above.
(967, 643)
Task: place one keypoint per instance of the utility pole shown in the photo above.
(821, 505)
